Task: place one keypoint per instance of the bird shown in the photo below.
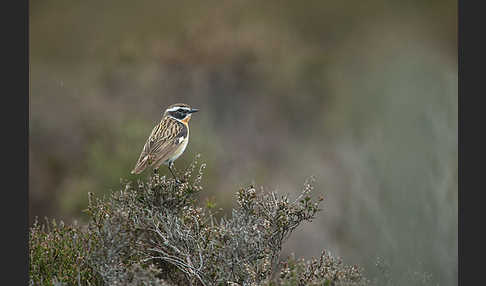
(168, 139)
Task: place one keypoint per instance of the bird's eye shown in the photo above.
(181, 110)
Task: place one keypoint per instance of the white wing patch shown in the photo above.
(180, 149)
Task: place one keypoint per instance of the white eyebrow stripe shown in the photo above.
(178, 107)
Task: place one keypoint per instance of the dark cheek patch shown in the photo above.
(176, 114)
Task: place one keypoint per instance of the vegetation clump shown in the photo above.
(155, 233)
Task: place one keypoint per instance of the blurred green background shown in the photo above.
(360, 94)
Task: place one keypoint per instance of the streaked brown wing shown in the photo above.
(160, 144)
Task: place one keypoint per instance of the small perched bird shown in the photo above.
(168, 139)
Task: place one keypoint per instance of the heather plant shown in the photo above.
(154, 232)
(58, 253)
(325, 270)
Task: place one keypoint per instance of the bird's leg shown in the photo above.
(171, 165)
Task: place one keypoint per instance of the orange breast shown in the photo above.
(186, 120)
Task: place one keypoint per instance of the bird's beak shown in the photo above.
(193, 110)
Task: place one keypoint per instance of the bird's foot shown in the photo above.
(179, 181)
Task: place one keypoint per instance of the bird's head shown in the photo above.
(180, 112)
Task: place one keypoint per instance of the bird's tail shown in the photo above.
(141, 165)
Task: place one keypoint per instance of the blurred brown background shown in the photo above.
(360, 94)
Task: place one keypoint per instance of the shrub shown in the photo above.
(59, 253)
(327, 270)
(154, 233)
